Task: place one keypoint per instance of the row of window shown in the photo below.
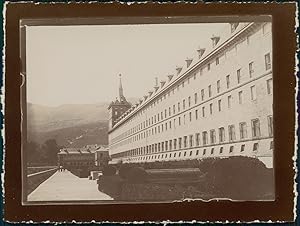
(251, 68)
(172, 110)
(205, 151)
(182, 119)
(193, 140)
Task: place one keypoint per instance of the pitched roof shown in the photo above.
(88, 149)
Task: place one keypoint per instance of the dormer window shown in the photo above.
(178, 69)
(200, 52)
(188, 62)
(233, 26)
(215, 40)
(170, 77)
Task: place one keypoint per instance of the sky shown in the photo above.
(81, 64)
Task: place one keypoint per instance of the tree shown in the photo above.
(51, 150)
(32, 153)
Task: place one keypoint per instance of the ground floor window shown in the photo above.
(179, 142)
(191, 140)
(197, 139)
(271, 145)
(175, 144)
(212, 136)
(231, 131)
(242, 147)
(270, 125)
(221, 134)
(185, 141)
(243, 130)
(204, 137)
(221, 150)
(255, 128)
(255, 146)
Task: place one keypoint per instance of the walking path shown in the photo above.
(65, 186)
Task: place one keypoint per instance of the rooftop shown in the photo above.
(88, 149)
(199, 55)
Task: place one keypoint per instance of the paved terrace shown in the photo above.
(65, 186)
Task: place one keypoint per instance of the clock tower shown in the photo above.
(118, 107)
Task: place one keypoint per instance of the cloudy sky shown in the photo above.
(80, 64)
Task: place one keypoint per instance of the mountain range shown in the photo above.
(71, 125)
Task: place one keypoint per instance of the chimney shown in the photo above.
(215, 40)
(188, 61)
(170, 77)
(178, 69)
(200, 52)
(162, 83)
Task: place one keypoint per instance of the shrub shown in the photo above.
(124, 169)
(206, 164)
(238, 177)
(137, 175)
(110, 185)
(109, 170)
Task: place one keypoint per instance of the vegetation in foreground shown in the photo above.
(237, 178)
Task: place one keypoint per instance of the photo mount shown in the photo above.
(283, 175)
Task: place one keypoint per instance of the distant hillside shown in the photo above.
(42, 118)
(71, 125)
(76, 136)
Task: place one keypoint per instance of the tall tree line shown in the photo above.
(42, 154)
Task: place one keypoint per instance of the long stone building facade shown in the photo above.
(219, 104)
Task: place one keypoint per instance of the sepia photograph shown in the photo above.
(147, 111)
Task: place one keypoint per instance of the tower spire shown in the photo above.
(121, 95)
